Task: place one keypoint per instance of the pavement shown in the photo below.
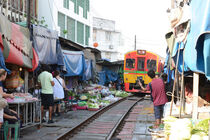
(61, 125)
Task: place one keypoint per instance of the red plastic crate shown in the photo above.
(81, 107)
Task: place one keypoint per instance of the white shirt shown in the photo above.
(58, 89)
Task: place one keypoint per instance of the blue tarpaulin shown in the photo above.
(102, 78)
(74, 63)
(107, 75)
(88, 70)
(2, 63)
(197, 47)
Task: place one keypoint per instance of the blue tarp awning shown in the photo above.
(197, 48)
(74, 62)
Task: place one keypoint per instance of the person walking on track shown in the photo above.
(159, 97)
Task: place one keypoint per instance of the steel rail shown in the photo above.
(121, 120)
(71, 131)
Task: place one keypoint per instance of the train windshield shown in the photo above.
(151, 64)
(130, 63)
(140, 64)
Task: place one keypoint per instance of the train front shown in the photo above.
(136, 65)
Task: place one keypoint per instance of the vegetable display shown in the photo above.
(186, 129)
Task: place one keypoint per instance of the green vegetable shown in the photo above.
(202, 126)
(92, 105)
(82, 103)
(121, 94)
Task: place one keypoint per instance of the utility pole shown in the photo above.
(135, 43)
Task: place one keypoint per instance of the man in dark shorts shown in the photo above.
(158, 95)
(45, 80)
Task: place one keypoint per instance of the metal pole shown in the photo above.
(182, 89)
(195, 95)
(28, 13)
(172, 100)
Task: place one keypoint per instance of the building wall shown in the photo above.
(109, 41)
(71, 18)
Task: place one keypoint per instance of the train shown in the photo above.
(136, 65)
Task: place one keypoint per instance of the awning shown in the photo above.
(47, 45)
(15, 44)
(196, 51)
(74, 62)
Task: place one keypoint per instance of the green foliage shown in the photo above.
(65, 32)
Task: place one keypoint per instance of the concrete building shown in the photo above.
(109, 40)
(71, 18)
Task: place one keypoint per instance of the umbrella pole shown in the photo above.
(172, 100)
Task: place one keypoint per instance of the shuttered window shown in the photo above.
(80, 33)
(75, 6)
(66, 4)
(61, 23)
(71, 29)
(87, 34)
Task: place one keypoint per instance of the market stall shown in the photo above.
(20, 58)
(93, 97)
(187, 66)
(25, 105)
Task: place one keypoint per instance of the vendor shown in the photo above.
(3, 75)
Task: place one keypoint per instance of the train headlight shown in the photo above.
(141, 52)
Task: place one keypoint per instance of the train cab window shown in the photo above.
(140, 64)
(130, 63)
(151, 64)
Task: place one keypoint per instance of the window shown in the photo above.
(71, 29)
(66, 4)
(151, 64)
(140, 64)
(80, 33)
(87, 35)
(61, 23)
(108, 36)
(130, 63)
(94, 35)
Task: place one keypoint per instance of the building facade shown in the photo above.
(71, 18)
(108, 39)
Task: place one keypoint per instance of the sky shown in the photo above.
(147, 19)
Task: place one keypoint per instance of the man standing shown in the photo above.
(159, 97)
(45, 80)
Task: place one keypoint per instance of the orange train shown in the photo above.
(136, 65)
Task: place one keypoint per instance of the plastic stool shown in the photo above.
(8, 127)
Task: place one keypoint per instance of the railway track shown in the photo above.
(103, 124)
